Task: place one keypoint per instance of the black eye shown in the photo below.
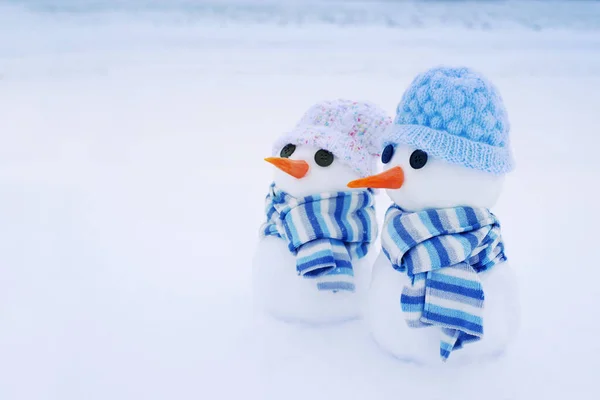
(418, 159)
(387, 154)
(323, 158)
(287, 150)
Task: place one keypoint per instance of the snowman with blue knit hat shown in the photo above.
(442, 288)
(313, 260)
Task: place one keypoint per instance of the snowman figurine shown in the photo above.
(312, 262)
(442, 281)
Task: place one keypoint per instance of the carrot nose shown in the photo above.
(296, 168)
(393, 178)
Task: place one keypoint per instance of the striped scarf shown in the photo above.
(442, 251)
(325, 232)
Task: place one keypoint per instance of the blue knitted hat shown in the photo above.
(457, 115)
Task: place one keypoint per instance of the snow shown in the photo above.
(466, 14)
(132, 183)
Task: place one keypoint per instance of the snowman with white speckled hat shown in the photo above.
(442, 288)
(313, 261)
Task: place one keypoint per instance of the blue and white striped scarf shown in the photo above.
(325, 232)
(442, 251)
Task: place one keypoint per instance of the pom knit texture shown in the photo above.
(457, 115)
(350, 130)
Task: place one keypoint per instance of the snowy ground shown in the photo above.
(132, 186)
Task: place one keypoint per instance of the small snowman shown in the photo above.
(442, 281)
(312, 261)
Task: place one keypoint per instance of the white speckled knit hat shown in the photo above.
(348, 129)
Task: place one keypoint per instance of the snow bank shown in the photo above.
(480, 15)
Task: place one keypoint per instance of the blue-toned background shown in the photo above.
(482, 14)
(132, 180)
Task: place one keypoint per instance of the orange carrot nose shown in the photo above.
(393, 178)
(296, 168)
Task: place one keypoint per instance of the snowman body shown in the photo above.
(438, 185)
(278, 288)
(421, 345)
(283, 294)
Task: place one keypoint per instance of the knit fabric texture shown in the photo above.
(348, 129)
(457, 115)
(443, 251)
(325, 232)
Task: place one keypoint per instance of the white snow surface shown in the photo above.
(132, 184)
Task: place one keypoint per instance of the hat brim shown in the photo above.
(346, 148)
(451, 148)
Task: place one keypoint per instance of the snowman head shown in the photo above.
(416, 181)
(303, 170)
(448, 145)
(332, 144)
